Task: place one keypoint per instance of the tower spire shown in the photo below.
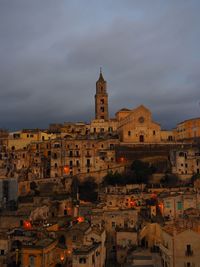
(101, 78)
(101, 98)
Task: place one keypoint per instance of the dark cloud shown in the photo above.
(51, 51)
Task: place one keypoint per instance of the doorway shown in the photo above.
(141, 138)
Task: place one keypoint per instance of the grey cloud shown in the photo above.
(51, 51)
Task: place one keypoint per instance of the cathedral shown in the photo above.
(132, 125)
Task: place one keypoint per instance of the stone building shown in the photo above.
(87, 256)
(179, 246)
(86, 244)
(173, 205)
(101, 126)
(137, 126)
(115, 220)
(4, 249)
(40, 253)
(188, 130)
(185, 162)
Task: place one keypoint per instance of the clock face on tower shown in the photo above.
(141, 119)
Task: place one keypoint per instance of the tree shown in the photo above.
(88, 190)
(195, 177)
(113, 178)
(142, 170)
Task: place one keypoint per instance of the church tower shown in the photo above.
(101, 99)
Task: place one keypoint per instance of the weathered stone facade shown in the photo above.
(137, 126)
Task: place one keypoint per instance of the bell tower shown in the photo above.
(101, 98)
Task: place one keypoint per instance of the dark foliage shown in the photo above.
(88, 190)
(138, 173)
(142, 170)
(195, 177)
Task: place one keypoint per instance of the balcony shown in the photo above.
(189, 253)
(88, 165)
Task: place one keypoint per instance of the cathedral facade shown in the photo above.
(132, 126)
(137, 126)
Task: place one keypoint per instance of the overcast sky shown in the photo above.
(51, 52)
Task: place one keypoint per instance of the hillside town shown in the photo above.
(118, 191)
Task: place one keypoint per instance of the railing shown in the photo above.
(189, 253)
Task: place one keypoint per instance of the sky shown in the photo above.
(51, 52)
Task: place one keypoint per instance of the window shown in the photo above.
(188, 250)
(170, 138)
(82, 260)
(102, 109)
(154, 132)
(113, 224)
(179, 205)
(2, 251)
(93, 259)
(74, 238)
(32, 261)
(102, 101)
(88, 162)
(188, 247)
(129, 133)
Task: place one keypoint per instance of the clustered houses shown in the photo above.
(173, 204)
(42, 224)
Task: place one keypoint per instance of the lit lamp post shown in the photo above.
(62, 258)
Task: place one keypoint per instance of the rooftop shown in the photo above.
(85, 249)
(40, 244)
